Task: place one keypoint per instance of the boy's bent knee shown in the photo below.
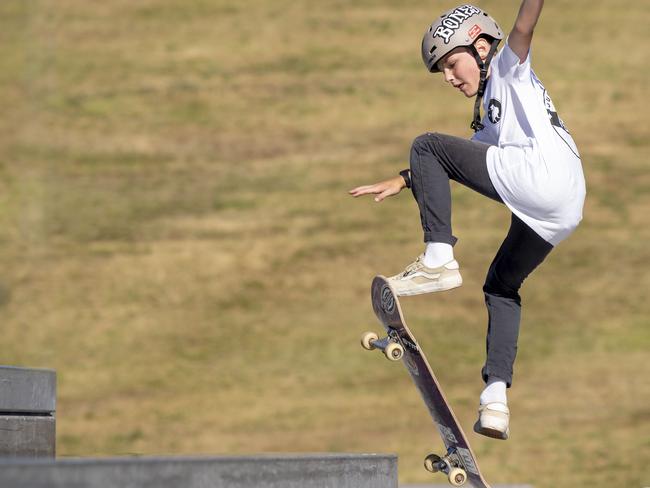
(497, 285)
(424, 145)
(426, 141)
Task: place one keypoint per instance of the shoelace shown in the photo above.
(414, 266)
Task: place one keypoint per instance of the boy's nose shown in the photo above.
(449, 77)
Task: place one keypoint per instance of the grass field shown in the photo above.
(178, 242)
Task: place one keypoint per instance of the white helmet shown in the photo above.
(460, 26)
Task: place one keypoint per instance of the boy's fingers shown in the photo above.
(382, 195)
(362, 190)
(356, 190)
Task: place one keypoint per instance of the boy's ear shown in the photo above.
(482, 47)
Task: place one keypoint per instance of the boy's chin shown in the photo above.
(470, 94)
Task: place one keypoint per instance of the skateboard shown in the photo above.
(459, 462)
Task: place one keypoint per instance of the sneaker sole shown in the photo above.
(492, 433)
(423, 289)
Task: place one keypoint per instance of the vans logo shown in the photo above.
(451, 22)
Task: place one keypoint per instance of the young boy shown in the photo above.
(521, 155)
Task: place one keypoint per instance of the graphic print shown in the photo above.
(553, 117)
(494, 111)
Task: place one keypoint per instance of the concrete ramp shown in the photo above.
(266, 471)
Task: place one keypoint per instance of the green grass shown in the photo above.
(178, 243)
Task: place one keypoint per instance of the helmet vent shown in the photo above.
(433, 48)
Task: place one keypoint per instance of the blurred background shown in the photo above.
(177, 241)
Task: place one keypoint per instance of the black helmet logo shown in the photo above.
(494, 111)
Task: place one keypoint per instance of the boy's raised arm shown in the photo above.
(522, 32)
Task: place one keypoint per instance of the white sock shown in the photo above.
(495, 391)
(438, 253)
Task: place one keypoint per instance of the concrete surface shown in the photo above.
(269, 471)
(27, 436)
(27, 412)
(27, 390)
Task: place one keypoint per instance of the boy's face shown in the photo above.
(461, 71)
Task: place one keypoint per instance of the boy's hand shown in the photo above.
(383, 189)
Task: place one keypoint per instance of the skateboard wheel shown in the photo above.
(457, 476)
(366, 340)
(431, 463)
(394, 351)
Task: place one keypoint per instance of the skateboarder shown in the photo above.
(521, 155)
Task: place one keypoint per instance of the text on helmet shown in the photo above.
(450, 24)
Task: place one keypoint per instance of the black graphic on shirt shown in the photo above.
(553, 116)
(554, 119)
(494, 110)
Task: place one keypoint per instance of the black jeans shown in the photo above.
(437, 158)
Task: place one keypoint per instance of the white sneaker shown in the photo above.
(417, 279)
(493, 421)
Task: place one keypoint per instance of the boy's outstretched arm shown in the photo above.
(522, 32)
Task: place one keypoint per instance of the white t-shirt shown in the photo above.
(533, 163)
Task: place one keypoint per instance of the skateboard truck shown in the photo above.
(449, 464)
(392, 349)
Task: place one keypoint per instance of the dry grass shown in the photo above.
(178, 243)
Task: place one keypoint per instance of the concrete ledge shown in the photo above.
(266, 471)
(27, 436)
(27, 390)
(27, 412)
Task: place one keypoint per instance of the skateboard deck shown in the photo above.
(459, 462)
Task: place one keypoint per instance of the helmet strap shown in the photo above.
(483, 66)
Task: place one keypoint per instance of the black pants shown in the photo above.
(437, 158)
